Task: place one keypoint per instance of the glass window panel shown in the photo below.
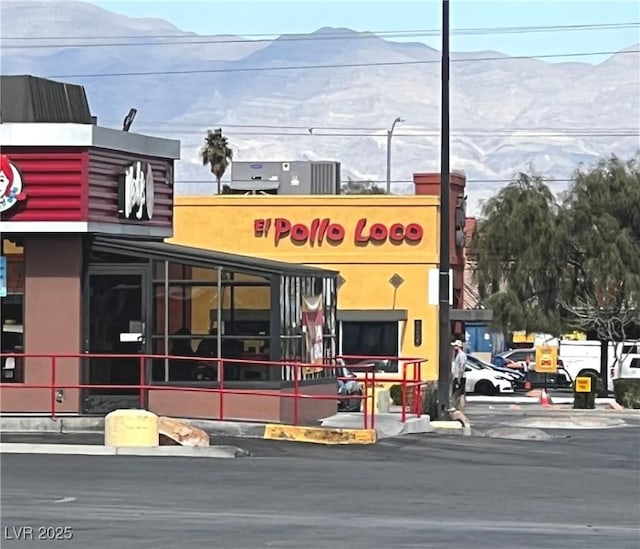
(248, 278)
(12, 314)
(178, 271)
(248, 355)
(159, 270)
(370, 339)
(204, 275)
(191, 309)
(159, 366)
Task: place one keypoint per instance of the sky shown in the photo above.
(245, 18)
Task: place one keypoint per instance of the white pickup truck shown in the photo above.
(581, 357)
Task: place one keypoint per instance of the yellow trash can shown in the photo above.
(131, 428)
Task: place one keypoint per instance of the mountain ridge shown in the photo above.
(496, 100)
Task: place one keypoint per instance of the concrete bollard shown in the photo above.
(124, 428)
(382, 400)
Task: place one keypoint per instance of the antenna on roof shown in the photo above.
(128, 120)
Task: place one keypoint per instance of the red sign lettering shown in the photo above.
(324, 230)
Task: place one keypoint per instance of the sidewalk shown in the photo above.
(523, 399)
(343, 428)
(218, 452)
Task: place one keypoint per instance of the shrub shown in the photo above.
(395, 392)
(430, 399)
(429, 395)
(627, 392)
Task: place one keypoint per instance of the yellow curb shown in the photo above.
(446, 424)
(319, 435)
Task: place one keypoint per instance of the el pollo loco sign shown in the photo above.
(324, 230)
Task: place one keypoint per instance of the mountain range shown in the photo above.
(507, 114)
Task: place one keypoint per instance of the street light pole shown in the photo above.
(389, 135)
(444, 332)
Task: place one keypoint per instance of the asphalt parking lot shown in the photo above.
(579, 490)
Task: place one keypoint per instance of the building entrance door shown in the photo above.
(115, 322)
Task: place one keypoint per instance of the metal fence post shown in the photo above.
(365, 408)
(53, 387)
(221, 393)
(296, 388)
(403, 412)
(142, 381)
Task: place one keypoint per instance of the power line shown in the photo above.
(157, 125)
(374, 181)
(514, 133)
(338, 65)
(340, 35)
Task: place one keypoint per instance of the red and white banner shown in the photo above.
(313, 321)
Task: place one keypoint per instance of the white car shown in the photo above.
(483, 381)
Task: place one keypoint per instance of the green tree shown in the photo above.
(216, 154)
(361, 187)
(518, 251)
(603, 259)
(545, 264)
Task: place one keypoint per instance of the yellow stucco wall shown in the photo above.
(228, 223)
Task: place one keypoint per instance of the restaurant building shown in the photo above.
(93, 298)
(386, 249)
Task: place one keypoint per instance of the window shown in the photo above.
(12, 313)
(370, 339)
(195, 315)
(521, 356)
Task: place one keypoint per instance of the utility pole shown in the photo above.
(389, 136)
(444, 332)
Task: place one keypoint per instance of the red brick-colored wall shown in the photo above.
(53, 322)
(429, 184)
(269, 407)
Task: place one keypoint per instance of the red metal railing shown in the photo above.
(370, 380)
(414, 384)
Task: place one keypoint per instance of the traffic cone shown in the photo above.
(544, 399)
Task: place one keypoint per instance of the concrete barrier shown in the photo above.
(131, 428)
(181, 433)
(319, 435)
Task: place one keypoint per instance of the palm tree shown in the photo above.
(216, 154)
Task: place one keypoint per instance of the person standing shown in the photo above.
(458, 376)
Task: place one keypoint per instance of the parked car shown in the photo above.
(515, 357)
(516, 377)
(523, 360)
(485, 381)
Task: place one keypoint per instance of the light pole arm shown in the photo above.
(389, 136)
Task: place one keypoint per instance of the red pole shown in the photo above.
(418, 367)
(53, 387)
(373, 399)
(142, 381)
(415, 387)
(404, 394)
(296, 388)
(221, 393)
(365, 409)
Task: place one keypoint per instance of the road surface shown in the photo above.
(580, 490)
